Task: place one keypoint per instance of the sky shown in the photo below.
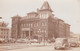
(67, 10)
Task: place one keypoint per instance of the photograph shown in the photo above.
(39, 25)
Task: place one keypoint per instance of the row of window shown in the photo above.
(39, 31)
(5, 36)
(4, 32)
(33, 25)
(3, 25)
(44, 16)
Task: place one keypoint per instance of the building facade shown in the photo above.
(41, 25)
(4, 31)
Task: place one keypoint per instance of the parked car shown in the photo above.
(12, 40)
(51, 41)
(73, 42)
(1, 40)
(34, 41)
(61, 43)
(79, 43)
(22, 41)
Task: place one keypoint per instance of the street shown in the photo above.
(32, 47)
(45, 48)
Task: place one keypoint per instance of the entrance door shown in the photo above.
(27, 33)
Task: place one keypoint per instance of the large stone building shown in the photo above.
(41, 25)
(4, 31)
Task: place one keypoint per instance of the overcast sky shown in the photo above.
(68, 10)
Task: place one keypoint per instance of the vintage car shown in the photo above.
(34, 41)
(51, 41)
(73, 42)
(21, 41)
(61, 43)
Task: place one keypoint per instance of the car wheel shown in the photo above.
(55, 48)
(77, 45)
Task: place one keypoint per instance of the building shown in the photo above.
(41, 25)
(4, 31)
(75, 36)
(67, 30)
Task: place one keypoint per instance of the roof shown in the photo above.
(29, 19)
(45, 6)
(33, 13)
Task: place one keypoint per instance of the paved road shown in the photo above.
(44, 48)
(33, 47)
(12, 46)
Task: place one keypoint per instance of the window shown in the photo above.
(44, 16)
(22, 25)
(45, 31)
(37, 24)
(47, 15)
(40, 15)
(43, 24)
(42, 31)
(31, 25)
(34, 25)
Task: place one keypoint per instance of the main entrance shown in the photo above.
(26, 33)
